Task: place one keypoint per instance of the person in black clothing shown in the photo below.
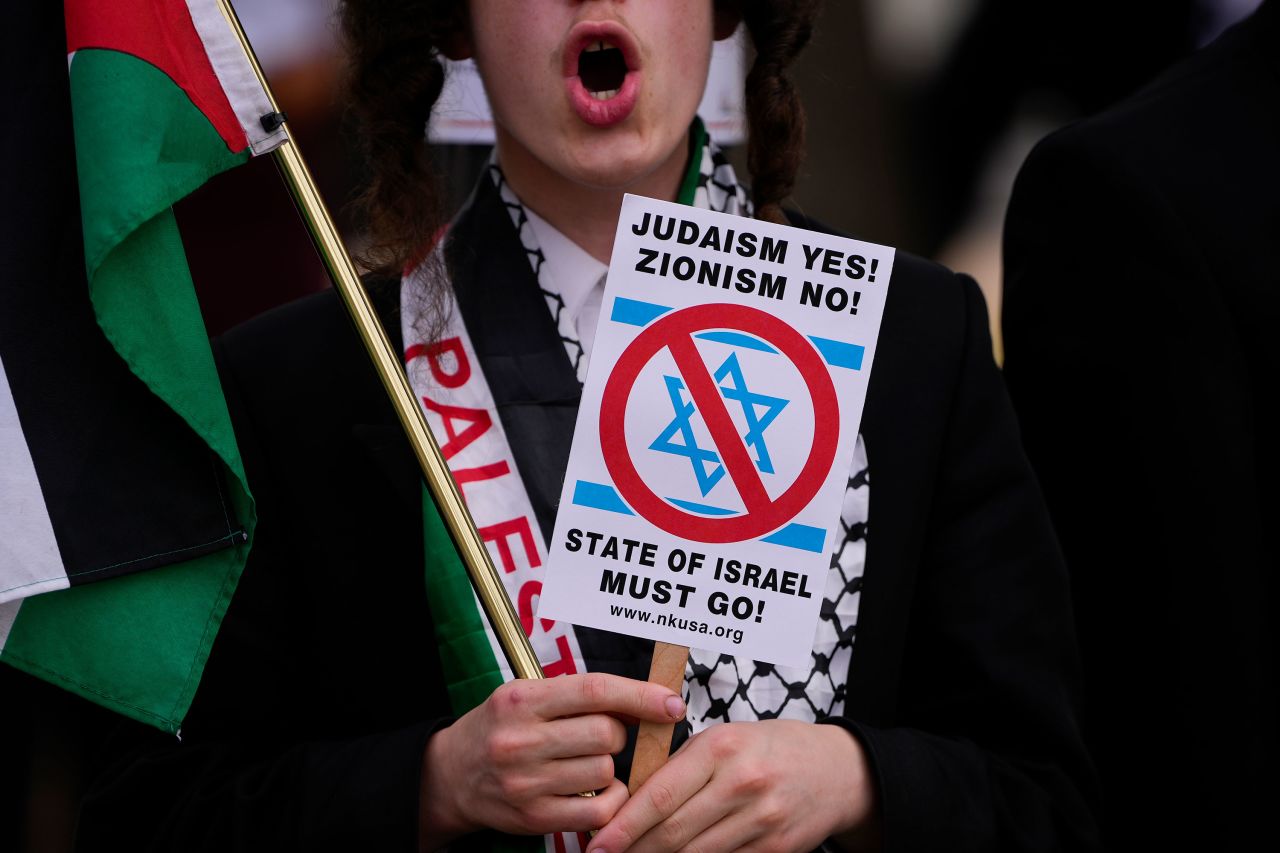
(323, 720)
(1141, 303)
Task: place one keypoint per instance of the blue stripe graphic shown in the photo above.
(633, 312)
(799, 536)
(838, 353)
(701, 508)
(598, 496)
(736, 339)
(602, 497)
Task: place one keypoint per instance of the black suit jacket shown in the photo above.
(323, 687)
(1141, 254)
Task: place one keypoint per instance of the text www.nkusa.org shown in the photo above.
(693, 626)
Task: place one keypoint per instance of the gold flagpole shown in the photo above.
(484, 577)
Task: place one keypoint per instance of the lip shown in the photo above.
(620, 106)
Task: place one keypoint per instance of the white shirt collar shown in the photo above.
(574, 272)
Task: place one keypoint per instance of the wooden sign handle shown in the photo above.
(653, 743)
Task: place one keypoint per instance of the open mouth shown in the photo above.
(603, 71)
(602, 67)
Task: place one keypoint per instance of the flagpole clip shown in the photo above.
(271, 122)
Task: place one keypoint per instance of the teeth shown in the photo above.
(605, 95)
(592, 48)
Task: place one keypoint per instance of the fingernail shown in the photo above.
(675, 710)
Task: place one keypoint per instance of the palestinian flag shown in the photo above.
(125, 518)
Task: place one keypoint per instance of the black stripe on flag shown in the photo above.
(127, 485)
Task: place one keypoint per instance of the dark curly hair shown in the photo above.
(396, 73)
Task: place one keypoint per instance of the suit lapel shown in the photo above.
(524, 361)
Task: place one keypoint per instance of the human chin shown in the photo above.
(604, 163)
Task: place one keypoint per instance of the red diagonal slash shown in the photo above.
(675, 332)
(706, 396)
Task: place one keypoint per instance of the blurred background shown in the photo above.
(920, 112)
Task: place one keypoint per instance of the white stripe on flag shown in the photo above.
(8, 613)
(30, 562)
(248, 99)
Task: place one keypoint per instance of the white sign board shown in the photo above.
(716, 431)
(462, 116)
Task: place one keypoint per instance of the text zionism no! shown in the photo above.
(749, 246)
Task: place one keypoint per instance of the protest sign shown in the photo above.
(716, 430)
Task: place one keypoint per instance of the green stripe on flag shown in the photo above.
(470, 668)
(139, 644)
(135, 644)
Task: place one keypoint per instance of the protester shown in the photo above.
(1140, 251)
(326, 716)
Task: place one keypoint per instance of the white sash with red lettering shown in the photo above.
(446, 376)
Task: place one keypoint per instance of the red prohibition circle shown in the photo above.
(675, 332)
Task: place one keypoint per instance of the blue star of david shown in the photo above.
(707, 468)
